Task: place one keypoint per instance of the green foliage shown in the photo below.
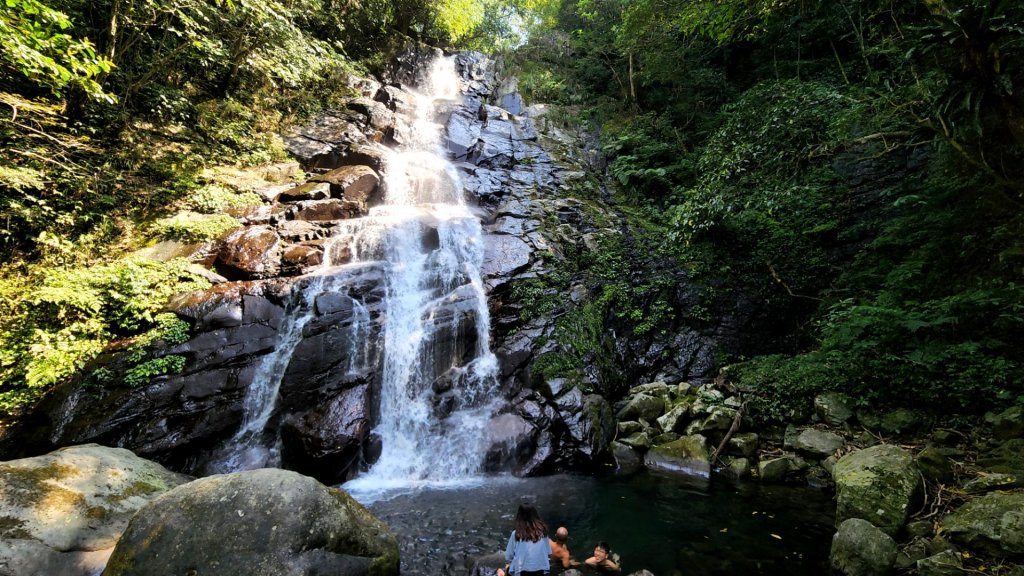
(756, 166)
(781, 388)
(193, 227)
(66, 319)
(647, 157)
(39, 44)
(217, 198)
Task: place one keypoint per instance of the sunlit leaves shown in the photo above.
(38, 43)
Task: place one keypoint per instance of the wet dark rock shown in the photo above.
(307, 191)
(249, 253)
(328, 442)
(300, 259)
(355, 183)
(332, 209)
(511, 440)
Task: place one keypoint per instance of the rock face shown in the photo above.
(62, 513)
(879, 484)
(261, 522)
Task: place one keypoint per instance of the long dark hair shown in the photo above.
(528, 525)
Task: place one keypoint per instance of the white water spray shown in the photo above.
(436, 398)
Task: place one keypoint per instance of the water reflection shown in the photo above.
(653, 521)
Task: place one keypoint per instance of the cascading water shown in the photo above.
(435, 397)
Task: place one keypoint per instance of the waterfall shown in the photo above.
(435, 397)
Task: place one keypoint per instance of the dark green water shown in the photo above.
(655, 522)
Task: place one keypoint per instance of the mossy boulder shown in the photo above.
(258, 523)
(813, 442)
(880, 484)
(774, 470)
(688, 456)
(833, 408)
(861, 549)
(642, 406)
(62, 513)
(993, 523)
(1009, 424)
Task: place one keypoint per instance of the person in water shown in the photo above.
(602, 559)
(560, 556)
(528, 549)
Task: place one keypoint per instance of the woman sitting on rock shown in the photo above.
(528, 549)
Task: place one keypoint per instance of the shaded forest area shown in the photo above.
(854, 164)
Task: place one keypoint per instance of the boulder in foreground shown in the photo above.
(255, 523)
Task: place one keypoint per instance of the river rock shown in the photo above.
(676, 418)
(945, 563)
(637, 440)
(987, 482)
(774, 470)
(63, 512)
(1009, 424)
(900, 422)
(642, 406)
(258, 522)
(743, 444)
(993, 523)
(329, 209)
(935, 465)
(1006, 458)
(833, 408)
(307, 191)
(861, 549)
(688, 456)
(627, 460)
(736, 468)
(813, 442)
(879, 484)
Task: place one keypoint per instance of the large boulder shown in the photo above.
(861, 549)
(263, 522)
(880, 484)
(62, 513)
(993, 523)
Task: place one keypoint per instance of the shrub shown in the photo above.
(217, 198)
(193, 227)
(69, 316)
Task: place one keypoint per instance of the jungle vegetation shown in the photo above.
(856, 166)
